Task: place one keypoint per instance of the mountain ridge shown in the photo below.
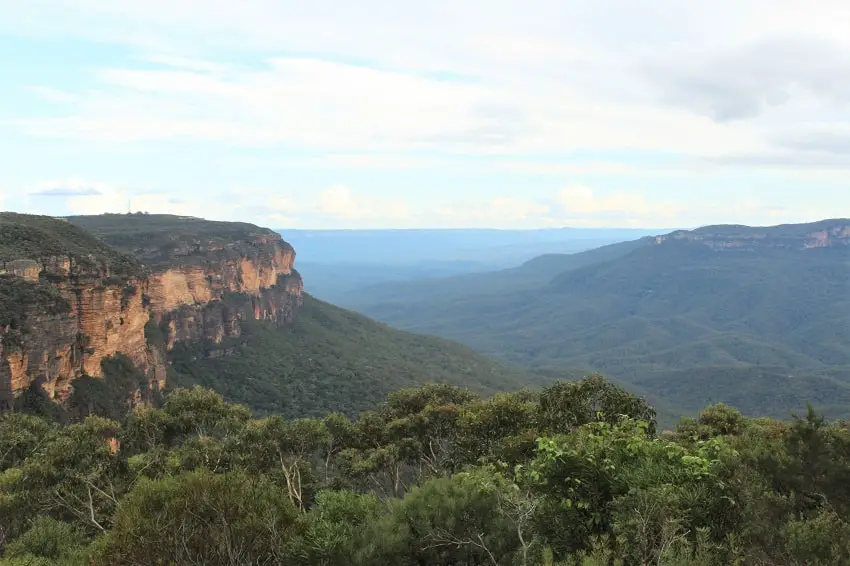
(686, 300)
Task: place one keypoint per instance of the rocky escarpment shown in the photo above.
(206, 276)
(62, 319)
(62, 315)
(207, 302)
(825, 234)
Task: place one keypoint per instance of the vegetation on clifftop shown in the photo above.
(164, 240)
(27, 236)
(20, 299)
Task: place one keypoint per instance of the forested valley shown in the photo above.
(575, 474)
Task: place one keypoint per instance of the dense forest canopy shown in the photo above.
(576, 474)
(330, 359)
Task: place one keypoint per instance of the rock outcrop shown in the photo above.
(206, 302)
(826, 234)
(62, 317)
(53, 349)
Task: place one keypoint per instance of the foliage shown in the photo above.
(19, 298)
(199, 518)
(434, 475)
(48, 541)
(26, 236)
(445, 521)
(333, 531)
(158, 240)
(108, 395)
(568, 405)
(331, 359)
(21, 435)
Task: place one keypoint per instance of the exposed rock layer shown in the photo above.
(829, 234)
(103, 317)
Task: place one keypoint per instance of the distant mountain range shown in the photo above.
(335, 263)
(755, 317)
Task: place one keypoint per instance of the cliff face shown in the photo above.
(207, 301)
(828, 234)
(67, 316)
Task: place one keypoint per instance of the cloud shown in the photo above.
(341, 206)
(476, 79)
(459, 92)
(747, 80)
(70, 187)
(340, 202)
(578, 202)
(499, 211)
(831, 140)
(65, 192)
(580, 206)
(302, 102)
(570, 206)
(79, 196)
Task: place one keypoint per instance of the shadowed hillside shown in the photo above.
(331, 359)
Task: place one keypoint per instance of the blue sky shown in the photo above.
(440, 114)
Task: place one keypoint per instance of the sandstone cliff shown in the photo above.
(62, 315)
(825, 234)
(206, 302)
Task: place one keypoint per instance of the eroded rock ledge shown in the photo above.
(68, 316)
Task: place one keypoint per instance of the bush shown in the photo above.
(47, 539)
(200, 518)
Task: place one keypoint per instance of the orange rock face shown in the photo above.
(187, 301)
(113, 321)
(109, 319)
(56, 349)
(195, 285)
(175, 288)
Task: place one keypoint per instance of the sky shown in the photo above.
(462, 113)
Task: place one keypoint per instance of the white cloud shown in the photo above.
(320, 104)
(550, 87)
(343, 207)
(468, 77)
(582, 202)
(580, 206)
(113, 199)
(79, 196)
(569, 206)
(341, 203)
(500, 211)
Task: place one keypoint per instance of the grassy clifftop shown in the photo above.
(158, 240)
(28, 236)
